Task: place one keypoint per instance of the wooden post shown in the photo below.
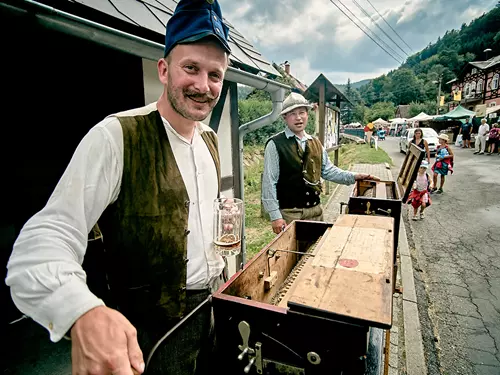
(337, 130)
(321, 115)
(263, 212)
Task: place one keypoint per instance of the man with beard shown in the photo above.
(150, 176)
(294, 163)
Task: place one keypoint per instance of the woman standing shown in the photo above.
(494, 138)
(418, 139)
(443, 164)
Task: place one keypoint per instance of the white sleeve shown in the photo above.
(45, 274)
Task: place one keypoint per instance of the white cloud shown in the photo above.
(317, 38)
(409, 9)
(301, 69)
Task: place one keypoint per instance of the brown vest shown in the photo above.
(145, 230)
(295, 166)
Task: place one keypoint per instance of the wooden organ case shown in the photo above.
(309, 302)
(385, 198)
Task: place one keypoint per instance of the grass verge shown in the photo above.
(257, 229)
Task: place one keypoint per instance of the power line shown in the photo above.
(376, 24)
(365, 32)
(395, 32)
(373, 33)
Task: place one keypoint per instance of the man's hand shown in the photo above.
(105, 343)
(363, 176)
(278, 225)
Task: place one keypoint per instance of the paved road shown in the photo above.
(456, 251)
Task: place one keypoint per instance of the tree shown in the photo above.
(405, 87)
(384, 110)
(359, 113)
(346, 112)
(428, 107)
(450, 53)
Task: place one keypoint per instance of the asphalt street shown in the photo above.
(456, 260)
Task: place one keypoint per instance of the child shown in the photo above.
(419, 196)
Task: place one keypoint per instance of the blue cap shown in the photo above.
(193, 20)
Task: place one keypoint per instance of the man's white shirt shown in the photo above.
(45, 274)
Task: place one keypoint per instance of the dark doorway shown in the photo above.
(54, 89)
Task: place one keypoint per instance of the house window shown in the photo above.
(492, 104)
(467, 89)
(473, 87)
(494, 81)
(474, 71)
(479, 87)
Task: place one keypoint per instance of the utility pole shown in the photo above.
(439, 93)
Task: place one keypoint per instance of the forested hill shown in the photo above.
(413, 81)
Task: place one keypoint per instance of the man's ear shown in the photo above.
(163, 71)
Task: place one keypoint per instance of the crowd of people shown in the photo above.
(486, 140)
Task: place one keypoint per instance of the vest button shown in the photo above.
(307, 204)
(186, 203)
(182, 289)
(307, 193)
(186, 232)
(304, 172)
(185, 260)
(317, 193)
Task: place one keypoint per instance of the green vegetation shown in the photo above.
(258, 105)
(258, 230)
(352, 153)
(414, 82)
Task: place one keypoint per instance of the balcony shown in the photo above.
(472, 97)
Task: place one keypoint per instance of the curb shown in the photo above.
(415, 357)
(413, 343)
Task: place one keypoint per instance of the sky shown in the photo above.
(315, 37)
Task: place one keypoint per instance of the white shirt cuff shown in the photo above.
(63, 308)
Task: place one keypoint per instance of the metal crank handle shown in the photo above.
(242, 354)
(249, 366)
(388, 212)
(244, 328)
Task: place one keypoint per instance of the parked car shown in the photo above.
(430, 136)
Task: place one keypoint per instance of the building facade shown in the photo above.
(477, 88)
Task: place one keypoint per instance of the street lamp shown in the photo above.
(439, 93)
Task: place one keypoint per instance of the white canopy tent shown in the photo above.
(354, 125)
(381, 121)
(398, 120)
(422, 116)
(493, 112)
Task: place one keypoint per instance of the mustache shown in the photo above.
(200, 97)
